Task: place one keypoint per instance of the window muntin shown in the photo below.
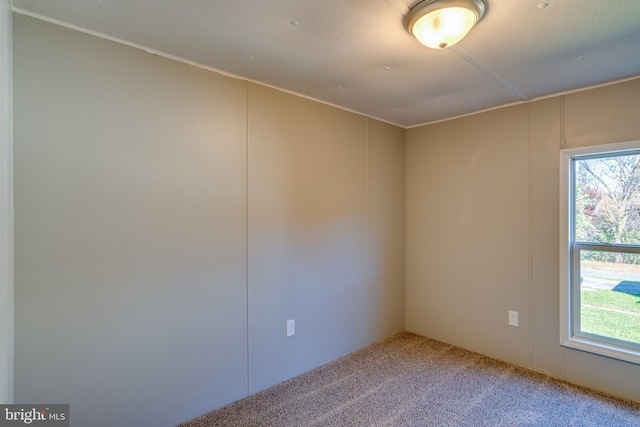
(600, 268)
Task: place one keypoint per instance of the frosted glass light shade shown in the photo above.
(442, 23)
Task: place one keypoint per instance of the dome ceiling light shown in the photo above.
(439, 24)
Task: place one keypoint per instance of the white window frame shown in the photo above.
(569, 283)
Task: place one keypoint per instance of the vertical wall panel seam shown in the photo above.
(531, 219)
(246, 235)
(406, 228)
(563, 144)
(404, 245)
(563, 140)
(370, 286)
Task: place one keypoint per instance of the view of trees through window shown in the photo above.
(608, 200)
(607, 235)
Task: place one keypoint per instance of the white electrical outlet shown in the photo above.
(513, 318)
(291, 327)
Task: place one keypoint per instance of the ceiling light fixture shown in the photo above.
(442, 23)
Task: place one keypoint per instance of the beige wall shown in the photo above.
(130, 231)
(467, 231)
(307, 234)
(326, 233)
(386, 229)
(169, 220)
(482, 229)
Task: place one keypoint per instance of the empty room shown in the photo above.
(337, 213)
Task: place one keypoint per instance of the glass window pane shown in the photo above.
(610, 294)
(607, 200)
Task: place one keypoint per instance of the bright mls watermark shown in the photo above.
(35, 415)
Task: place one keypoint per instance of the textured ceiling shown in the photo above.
(356, 54)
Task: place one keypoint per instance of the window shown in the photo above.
(600, 250)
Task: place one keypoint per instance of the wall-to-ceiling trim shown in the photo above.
(551, 95)
(6, 205)
(186, 61)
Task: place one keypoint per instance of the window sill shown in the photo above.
(602, 349)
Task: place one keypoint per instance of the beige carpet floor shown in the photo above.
(409, 380)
